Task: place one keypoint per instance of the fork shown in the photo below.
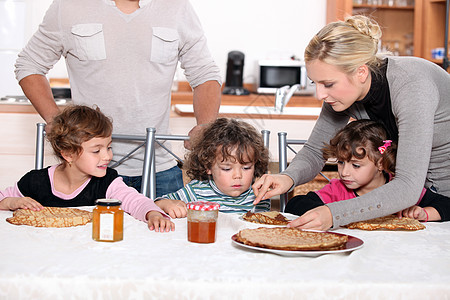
(253, 209)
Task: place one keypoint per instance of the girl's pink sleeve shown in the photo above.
(335, 191)
(12, 191)
(133, 203)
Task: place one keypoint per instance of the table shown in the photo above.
(65, 263)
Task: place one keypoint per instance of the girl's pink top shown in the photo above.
(337, 191)
(133, 202)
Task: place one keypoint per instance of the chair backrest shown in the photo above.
(151, 184)
(149, 152)
(148, 186)
(283, 145)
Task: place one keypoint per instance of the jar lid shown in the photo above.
(203, 205)
(108, 202)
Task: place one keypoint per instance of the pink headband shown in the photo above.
(383, 148)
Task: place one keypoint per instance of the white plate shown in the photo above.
(352, 244)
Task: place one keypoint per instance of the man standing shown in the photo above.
(122, 56)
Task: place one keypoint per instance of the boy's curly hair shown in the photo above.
(75, 125)
(220, 139)
(359, 139)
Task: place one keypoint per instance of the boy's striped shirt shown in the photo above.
(207, 191)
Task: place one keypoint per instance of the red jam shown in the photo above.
(202, 232)
(201, 221)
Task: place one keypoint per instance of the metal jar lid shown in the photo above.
(108, 202)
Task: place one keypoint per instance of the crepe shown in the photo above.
(270, 218)
(391, 222)
(292, 239)
(51, 217)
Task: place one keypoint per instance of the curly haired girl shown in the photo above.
(366, 160)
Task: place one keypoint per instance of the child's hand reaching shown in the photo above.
(174, 208)
(424, 214)
(14, 203)
(156, 221)
(414, 212)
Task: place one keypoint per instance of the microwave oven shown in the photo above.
(273, 74)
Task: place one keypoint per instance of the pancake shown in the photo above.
(51, 217)
(292, 239)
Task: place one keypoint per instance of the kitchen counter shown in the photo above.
(17, 108)
(299, 107)
(262, 112)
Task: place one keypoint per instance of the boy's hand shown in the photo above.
(174, 208)
(157, 222)
(14, 203)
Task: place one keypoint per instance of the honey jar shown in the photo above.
(107, 221)
(201, 220)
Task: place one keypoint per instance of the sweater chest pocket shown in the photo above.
(164, 45)
(89, 41)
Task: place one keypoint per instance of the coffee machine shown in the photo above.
(234, 78)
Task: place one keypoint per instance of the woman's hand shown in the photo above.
(14, 203)
(174, 208)
(271, 185)
(159, 223)
(319, 218)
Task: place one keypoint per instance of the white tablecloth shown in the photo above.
(65, 263)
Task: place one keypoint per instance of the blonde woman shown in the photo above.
(409, 96)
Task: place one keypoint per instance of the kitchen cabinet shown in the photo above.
(401, 25)
(408, 30)
(433, 30)
(18, 147)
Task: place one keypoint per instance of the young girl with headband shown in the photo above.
(81, 138)
(366, 160)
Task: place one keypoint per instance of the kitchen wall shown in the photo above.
(259, 28)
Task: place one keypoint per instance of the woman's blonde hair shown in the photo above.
(347, 44)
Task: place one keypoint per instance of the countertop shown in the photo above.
(235, 106)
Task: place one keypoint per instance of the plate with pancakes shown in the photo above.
(295, 242)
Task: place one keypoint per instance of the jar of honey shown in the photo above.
(201, 220)
(107, 221)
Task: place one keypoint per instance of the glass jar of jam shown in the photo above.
(201, 220)
(107, 221)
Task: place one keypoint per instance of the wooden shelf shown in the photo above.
(425, 20)
(407, 7)
(433, 31)
(398, 23)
